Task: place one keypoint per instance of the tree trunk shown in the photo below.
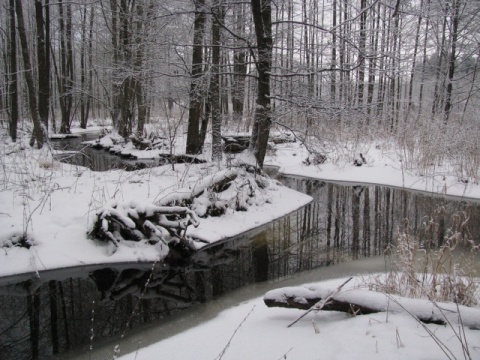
(333, 75)
(125, 121)
(43, 63)
(424, 62)
(66, 80)
(261, 10)
(214, 84)
(116, 95)
(13, 83)
(39, 132)
(372, 62)
(86, 67)
(193, 145)
(361, 51)
(362, 302)
(239, 67)
(453, 55)
(138, 67)
(438, 70)
(414, 60)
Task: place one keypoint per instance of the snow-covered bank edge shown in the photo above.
(249, 330)
(57, 202)
(379, 170)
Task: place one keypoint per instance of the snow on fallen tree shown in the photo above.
(362, 301)
(143, 222)
(234, 189)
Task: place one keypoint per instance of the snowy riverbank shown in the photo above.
(48, 207)
(250, 330)
(384, 166)
(55, 204)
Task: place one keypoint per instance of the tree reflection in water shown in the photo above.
(53, 313)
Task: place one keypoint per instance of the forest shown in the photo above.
(330, 71)
(398, 78)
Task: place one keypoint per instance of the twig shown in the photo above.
(440, 344)
(319, 305)
(461, 332)
(284, 356)
(224, 350)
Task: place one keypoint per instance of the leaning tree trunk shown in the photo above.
(39, 132)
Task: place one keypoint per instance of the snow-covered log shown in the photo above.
(143, 222)
(236, 189)
(362, 301)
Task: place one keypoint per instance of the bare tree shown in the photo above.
(43, 59)
(39, 131)
(13, 81)
(86, 66)
(65, 75)
(262, 18)
(455, 19)
(215, 82)
(196, 74)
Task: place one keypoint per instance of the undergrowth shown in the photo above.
(440, 269)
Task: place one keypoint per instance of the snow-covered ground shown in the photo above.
(55, 203)
(250, 330)
(384, 165)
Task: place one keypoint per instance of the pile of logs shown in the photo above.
(137, 222)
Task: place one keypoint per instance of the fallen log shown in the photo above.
(362, 301)
(322, 303)
(137, 221)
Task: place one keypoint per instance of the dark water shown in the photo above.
(60, 311)
(97, 160)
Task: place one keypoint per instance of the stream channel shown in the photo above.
(344, 231)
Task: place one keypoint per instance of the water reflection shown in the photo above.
(94, 159)
(75, 153)
(54, 312)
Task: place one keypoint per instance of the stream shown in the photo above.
(344, 231)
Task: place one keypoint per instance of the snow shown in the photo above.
(424, 308)
(55, 204)
(383, 166)
(250, 330)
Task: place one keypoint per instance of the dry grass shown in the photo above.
(438, 271)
